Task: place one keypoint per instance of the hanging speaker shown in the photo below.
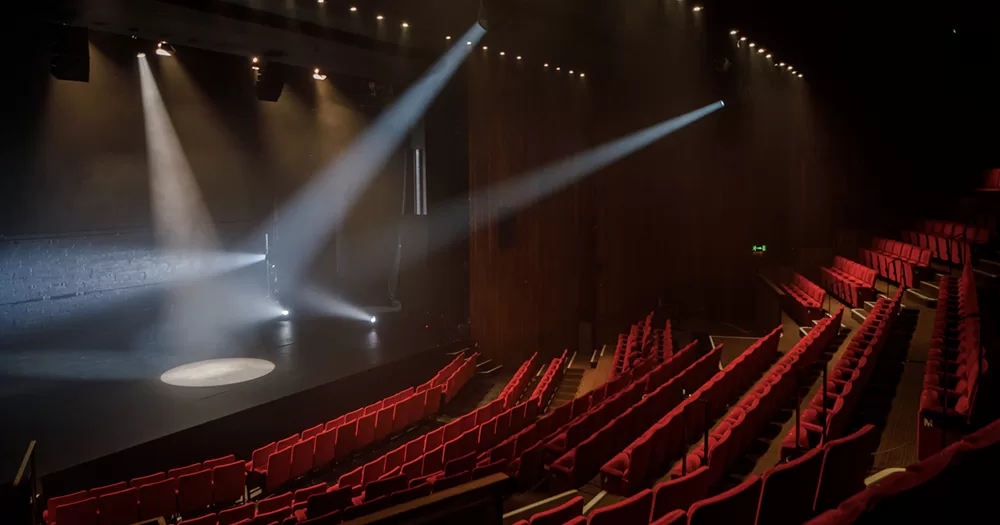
(270, 81)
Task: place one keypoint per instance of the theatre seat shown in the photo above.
(313, 432)
(212, 463)
(302, 458)
(183, 471)
(107, 489)
(194, 492)
(278, 469)
(119, 508)
(736, 506)
(237, 514)
(326, 448)
(146, 480)
(82, 512)
(158, 499)
(845, 464)
(288, 442)
(559, 515)
(680, 493)
(50, 511)
(632, 510)
(208, 519)
(228, 483)
(366, 430)
(676, 517)
(789, 490)
(259, 459)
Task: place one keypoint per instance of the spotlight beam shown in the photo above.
(324, 203)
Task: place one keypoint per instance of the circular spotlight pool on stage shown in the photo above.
(217, 372)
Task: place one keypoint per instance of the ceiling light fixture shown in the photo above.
(317, 75)
(354, 9)
(582, 75)
(404, 25)
(379, 17)
(447, 37)
(752, 44)
(545, 65)
(760, 51)
(733, 32)
(790, 68)
(468, 43)
(502, 53)
(800, 75)
(485, 48)
(255, 64)
(781, 64)
(162, 49)
(767, 55)
(558, 68)
(743, 39)
(696, 8)
(570, 71)
(519, 57)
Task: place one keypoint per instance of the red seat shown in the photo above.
(182, 471)
(288, 442)
(119, 508)
(334, 423)
(83, 512)
(274, 503)
(366, 430)
(432, 401)
(302, 458)
(789, 490)
(212, 463)
(278, 470)
(50, 510)
(313, 431)
(355, 415)
(384, 487)
(237, 514)
(446, 482)
(845, 464)
(259, 459)
(373, 470)
(352, 478)
(146, 480)
(415, 448)
(194, 492)
(632, 510)
(680, 493)
(107, 489)
(158, 499)
(383, 422)
(208, 519)
(228, 483)
(347, 440)
(272, 517)
(395, 458)
(326, 448)
(559, 515)
(676, 517)
(736, 506)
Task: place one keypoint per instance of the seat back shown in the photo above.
(228, 482)
(82, 512)
(314, 431)
(385, 486)
(789, 490)
(181, 471)
(288, 442)
(279, 467)
(212, 463)
(259, 460)
(55, 502)
(632, 510)
(845, 464)
(326, 448)
(107, 489)
(559, 515)
(158, 499)
(302, 458)
(274, 503)
(346, 440)
(736, 506)
(302, 495)
(146, 480)
(333, 500)
(194, 491)
(237, 514)
(119, 508)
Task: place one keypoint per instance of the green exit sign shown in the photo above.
(758, 248)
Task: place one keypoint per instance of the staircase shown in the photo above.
(568, 388)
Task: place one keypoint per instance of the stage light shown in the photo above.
(570, 71)
(782, 64)
(760, 51)
(790, 68)
(696, 8)
(284, 313)
(447, 37)
(519, 57)
(140, 54)
(502, 53)
(404, 25)
(767, 55)
(545, 65)
(800, 75)
(372, 320)
(379, 17)
(752, 44)
(354, 9)
(582, 75)
(485, 48)
(468, 43)
(162, 49)
(743, 39)
(733, 32)
(558, 68)
(317, 75)
(320, 1)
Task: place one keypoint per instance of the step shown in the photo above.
(868, 307)
(489, 371)
(928, 288)
(923, 300)
(484, 364)
(990, 265)
(859, 315)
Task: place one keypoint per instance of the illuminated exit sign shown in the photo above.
(758, 248)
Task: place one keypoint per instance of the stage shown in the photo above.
(123, 423)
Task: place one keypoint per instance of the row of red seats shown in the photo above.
(551, 378)
(971, 234)
(826, 418)
(956, 349)
(592, 411)
(512, 392)
(785, 495)
(803, 300)
(433, 452)
(744, 421)
(601, 429)
(668, 427)
(948, 249)
(892, 268)
(663, 343)
(853, 283)
(222, 481)
(631, 347)
(941, 488)
(185, 490)
(279, 462)
(266, 511)
(910, 253)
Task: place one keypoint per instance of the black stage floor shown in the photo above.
(82, 401)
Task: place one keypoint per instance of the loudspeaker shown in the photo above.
(70, 54)
(271, 81)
